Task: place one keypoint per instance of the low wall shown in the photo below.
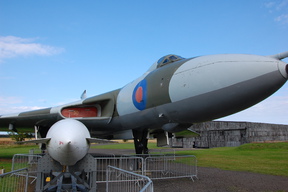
(228, 134)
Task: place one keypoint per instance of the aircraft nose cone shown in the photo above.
(283, 68)
(68, 142)
(65, 146)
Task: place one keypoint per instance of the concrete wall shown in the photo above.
(228, 134)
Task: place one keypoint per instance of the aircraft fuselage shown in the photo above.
(200, 89)
(179, 91)
(172, 95)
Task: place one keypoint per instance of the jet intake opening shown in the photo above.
(74, 112)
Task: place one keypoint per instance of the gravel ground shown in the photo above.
(215, 180)
(212, 180)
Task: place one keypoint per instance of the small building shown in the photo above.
(231, 134)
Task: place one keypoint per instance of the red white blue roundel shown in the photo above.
(140, 94)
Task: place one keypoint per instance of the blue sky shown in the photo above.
(51, 51)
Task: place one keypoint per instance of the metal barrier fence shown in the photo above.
(133, 164)
(30, 161)
(152, 166)
(14, 181)
(164, 167)
(122, 180)
(153, 152)
(37, 151)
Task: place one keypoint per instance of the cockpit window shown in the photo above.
(168, 59)
(173, 58)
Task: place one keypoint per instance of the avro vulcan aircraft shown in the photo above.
(171, 96)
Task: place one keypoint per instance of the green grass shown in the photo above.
(265, 158)
(7, 152)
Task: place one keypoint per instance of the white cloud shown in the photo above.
(10, 105)
(17, 109)
(282, 5)
(269, 4)
(278, 7)
(282, 19)
(11, 46)
(5, 101)
(271, 110)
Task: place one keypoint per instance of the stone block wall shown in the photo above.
(230, 134)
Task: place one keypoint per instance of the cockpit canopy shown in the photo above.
(168, 59)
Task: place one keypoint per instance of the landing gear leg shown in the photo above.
(42, 133)
(141, 141)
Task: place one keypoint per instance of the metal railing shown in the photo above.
(153, 152)
(15, 181)
(121, 180)
(20, 161)
(165, 167)
(133, 164)
(152, 166)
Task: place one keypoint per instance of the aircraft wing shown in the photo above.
(97, 109)
(96, 140)
(91, 140)
(41, 117)
(44, 140)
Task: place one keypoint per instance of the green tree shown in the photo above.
(19, 136)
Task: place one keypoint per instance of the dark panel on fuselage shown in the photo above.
(158, 84)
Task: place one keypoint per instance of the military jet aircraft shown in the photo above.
(172, 95)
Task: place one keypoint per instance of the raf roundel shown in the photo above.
(139, 95)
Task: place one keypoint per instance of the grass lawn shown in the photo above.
(7, 152)
(266, 158)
